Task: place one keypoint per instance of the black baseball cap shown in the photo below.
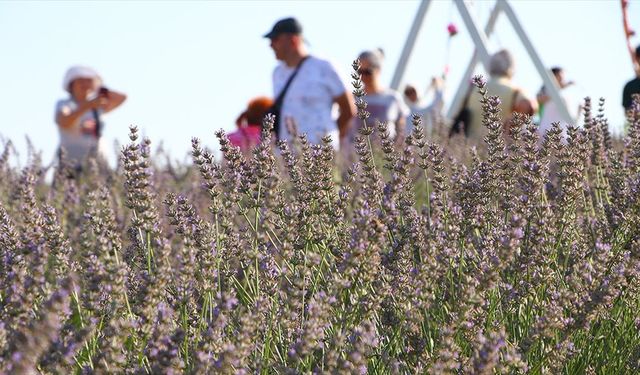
(285, 26)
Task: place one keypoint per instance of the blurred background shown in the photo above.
(190, 67)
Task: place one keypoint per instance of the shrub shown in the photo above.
(430, 256)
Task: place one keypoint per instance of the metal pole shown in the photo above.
(478, 37)
(463, 87)
(550, 82)
(409, 44)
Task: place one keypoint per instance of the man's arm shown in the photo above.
(114, 100)
(65, 117)
(347, 111)
(524, 104)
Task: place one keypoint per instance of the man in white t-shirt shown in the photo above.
(310, 97)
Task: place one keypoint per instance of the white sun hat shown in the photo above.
(80, 71)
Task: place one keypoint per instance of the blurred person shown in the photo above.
(500, 84)
(249, 123)
(411, 96)
(79, 117)
(306, 87)
(632, 87)
(549, 111)
(428, 112)
(383, 104)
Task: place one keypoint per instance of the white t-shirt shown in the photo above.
(551, 113)
(386, 106)
(428, 112)
(309, 99)
(79, 140)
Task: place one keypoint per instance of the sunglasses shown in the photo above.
(365, 72)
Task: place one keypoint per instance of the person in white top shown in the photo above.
(79, 117)
(429, 112)
(549, 111)
(309, 98)
(383, 104)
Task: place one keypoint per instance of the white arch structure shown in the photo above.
(481, 53)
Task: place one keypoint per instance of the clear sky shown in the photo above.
(189, 68)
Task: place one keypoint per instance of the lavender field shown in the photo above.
(519, 256)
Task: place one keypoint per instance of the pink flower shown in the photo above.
(452, 29)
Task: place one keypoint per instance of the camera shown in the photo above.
(103, 92)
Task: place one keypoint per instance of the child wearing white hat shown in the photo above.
(79, 117)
